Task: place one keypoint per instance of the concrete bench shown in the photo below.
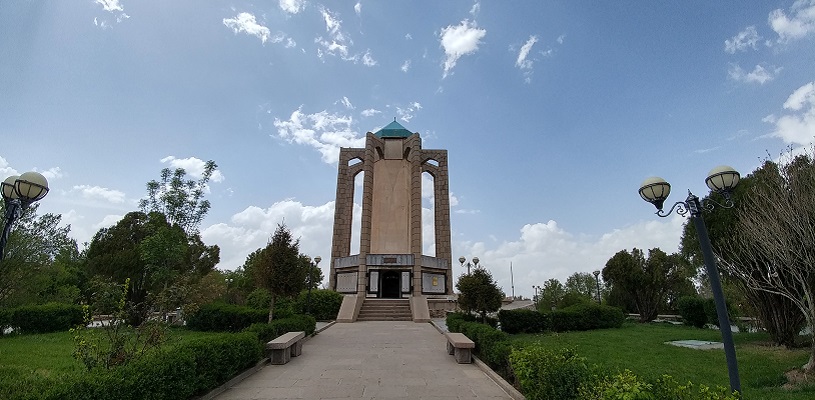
(461, 346)
(285, 346)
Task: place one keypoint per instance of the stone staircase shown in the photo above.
(385, 310)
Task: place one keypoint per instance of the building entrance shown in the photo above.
(391, 284)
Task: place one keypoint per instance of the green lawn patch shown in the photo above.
(641, 349)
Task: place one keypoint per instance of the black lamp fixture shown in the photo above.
(18, 193)
(722, 180)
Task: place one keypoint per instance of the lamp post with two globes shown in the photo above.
(722, 180)
(18, 193)
(462, 260)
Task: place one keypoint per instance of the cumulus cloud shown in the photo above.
(325, 131)
(193, 166)
(759, 74)
(475, 9)
(292, 6)
(5, 169)
(245, 22)
(799, 23)
(358, 8)
(370, 112)
(347, 103)
(797, 127)
(251, 228)
(748, 38)
(458, 41)
(368, 60)
(51, 173)
(405, 66)
(100, 193)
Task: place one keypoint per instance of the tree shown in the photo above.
(38, 248)
(180, 199)
(582, 284)
(278, 267)
(478, 292)
(778, 315)
(774, 249)
(646, 281)
(551, 294)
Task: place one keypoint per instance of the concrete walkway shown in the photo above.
(370, 360)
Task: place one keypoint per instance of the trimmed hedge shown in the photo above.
(190, 369)
(692, 310)
(5, 319)
(491, 345)
(324, 306)
(587, 316)
(545, 374)
(45, 318)
(225, 317)
(523, 321)
(268, 331)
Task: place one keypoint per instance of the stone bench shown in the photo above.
(285, 346)
(461, 346)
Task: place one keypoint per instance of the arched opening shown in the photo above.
(356, 217)
(428, 215)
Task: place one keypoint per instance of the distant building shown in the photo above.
(389, 263)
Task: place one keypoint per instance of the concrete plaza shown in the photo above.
(370, 360)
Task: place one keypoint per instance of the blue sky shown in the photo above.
(552, 112)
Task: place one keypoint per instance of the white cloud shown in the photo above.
(100, 193)
(251, 228)
(476, 8)
(324, 131)
(193, 166)
(523, 62)
(51, 173)
(292, 6)
(358, 8)
(799, 23)
(107, 221)
(797, 128)
(407, 113)
(758, 75)
(347, 103)
(6, 170)
(245, 22)
(408, 36)
(368, 60)
(405, 66)
(560, 39)
(114, 7)
(459, 40)
(748, 38)
(370, 112)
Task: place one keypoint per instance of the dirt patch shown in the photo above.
(796, 379)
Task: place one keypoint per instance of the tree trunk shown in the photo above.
(271, 309)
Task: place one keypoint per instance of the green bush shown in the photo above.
(5, 319)
(627, 385)
(523, 321)
(268, 331)
(324, 305)
(186, 370)
(586, 316)
(224, 317)
(712, 315)
(51, 317)
(491, 345)
(692, 310)
(544, 374)
(259, 299)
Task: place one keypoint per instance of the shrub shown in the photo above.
(712, 315)
(259, 299)
(189, 369)
(224, 317)
(627, 385)
(51, 317)
(325, 304)
(5, 319)
(544, 374)
(692, 310)
(586, 316)
(523, 321)
(268, 331)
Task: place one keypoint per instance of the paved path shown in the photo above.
(370, 360)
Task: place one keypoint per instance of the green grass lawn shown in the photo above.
(27, 360)
(641, 349)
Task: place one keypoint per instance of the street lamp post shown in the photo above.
(18, 193)
(462, 260)
(597, 281)
(537, 288)
(310, 284)
(721, 180)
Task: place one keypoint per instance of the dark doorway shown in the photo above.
(391, 288)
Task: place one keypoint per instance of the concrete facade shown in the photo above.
(389, 262)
